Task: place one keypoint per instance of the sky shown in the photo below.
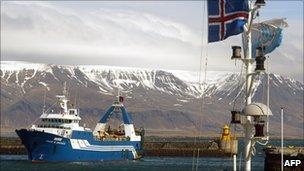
(147, 34)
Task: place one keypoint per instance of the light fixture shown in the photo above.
(259, 59)
(236, 52)
(260, 3)
(235, 117)
(259, 112)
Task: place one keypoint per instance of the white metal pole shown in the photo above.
(282, 139)
(267, 99)
(247, 126)
(234, 162)
(240, 161)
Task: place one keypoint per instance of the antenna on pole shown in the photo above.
(65, 89)
(76, 96)
(44, 97)
(282, 138)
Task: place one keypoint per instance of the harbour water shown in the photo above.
(20, 162)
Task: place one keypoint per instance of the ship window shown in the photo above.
(72, 111)
(52, 120)
(70, 120)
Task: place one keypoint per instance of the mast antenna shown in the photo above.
(44, 97)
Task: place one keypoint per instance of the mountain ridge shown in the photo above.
(164, 98)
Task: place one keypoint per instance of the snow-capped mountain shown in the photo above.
(109, 78)
(158, 99)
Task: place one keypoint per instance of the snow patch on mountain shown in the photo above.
(18, 66)
(107, 79)
(45, 85)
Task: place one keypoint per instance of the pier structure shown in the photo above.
(293, 158)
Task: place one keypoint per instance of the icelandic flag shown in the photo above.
(226, 18)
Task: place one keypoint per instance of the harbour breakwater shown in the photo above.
(153, 146)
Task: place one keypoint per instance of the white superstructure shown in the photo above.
(61, 123)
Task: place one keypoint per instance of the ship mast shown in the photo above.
(248, 65)
(248, 61)
(63, 100)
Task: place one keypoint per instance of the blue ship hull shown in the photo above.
(81, 146)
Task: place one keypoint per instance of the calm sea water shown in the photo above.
(20, 162)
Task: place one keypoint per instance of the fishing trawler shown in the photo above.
(59, 137)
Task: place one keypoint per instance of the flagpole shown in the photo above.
(248, 64)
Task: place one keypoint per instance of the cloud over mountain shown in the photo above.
(43, 32)
(116, 34)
